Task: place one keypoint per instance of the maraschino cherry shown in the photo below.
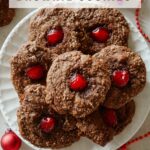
(100, 34)
(55, 36)
(110, 117)
(35, 72)
(47, 124)
(78, 82)
(120, 78)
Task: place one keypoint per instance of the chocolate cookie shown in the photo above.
(102, 27)
(29, 66)
(94, 128)
(54, 29)
(41, 125)
(77, 84)
(105, 123)
(118, 119)
(6, 13)
(128, 74)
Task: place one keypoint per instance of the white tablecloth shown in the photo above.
(20, 13)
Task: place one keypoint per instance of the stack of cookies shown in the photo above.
(75, 76)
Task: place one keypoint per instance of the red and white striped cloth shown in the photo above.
(137, 15)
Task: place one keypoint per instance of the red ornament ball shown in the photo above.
(10, 141)
(124, 147)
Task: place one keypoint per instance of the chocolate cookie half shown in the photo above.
(54, 29)
(125, 115)
(77, 84)
(29, 66)
(102, 125)
(94, 128)
(41, 125)
(128, 74)
(118, 119)
(6, 13)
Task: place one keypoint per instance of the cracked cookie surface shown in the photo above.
(28, 56)
(128, 74)
(79, 103)
(31, 114)
(95, 126)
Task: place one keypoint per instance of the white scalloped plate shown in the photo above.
(9, 100)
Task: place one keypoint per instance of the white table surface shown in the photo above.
(20, 13)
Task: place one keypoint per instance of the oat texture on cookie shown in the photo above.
(41, 125)
(128, 74)
(88, 30)
(77, 84)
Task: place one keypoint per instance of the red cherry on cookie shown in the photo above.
(35, 72)
(78, 82)
(120, 78)
(47, 124)
(110, 117)
(55, 36)
(100, 34)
